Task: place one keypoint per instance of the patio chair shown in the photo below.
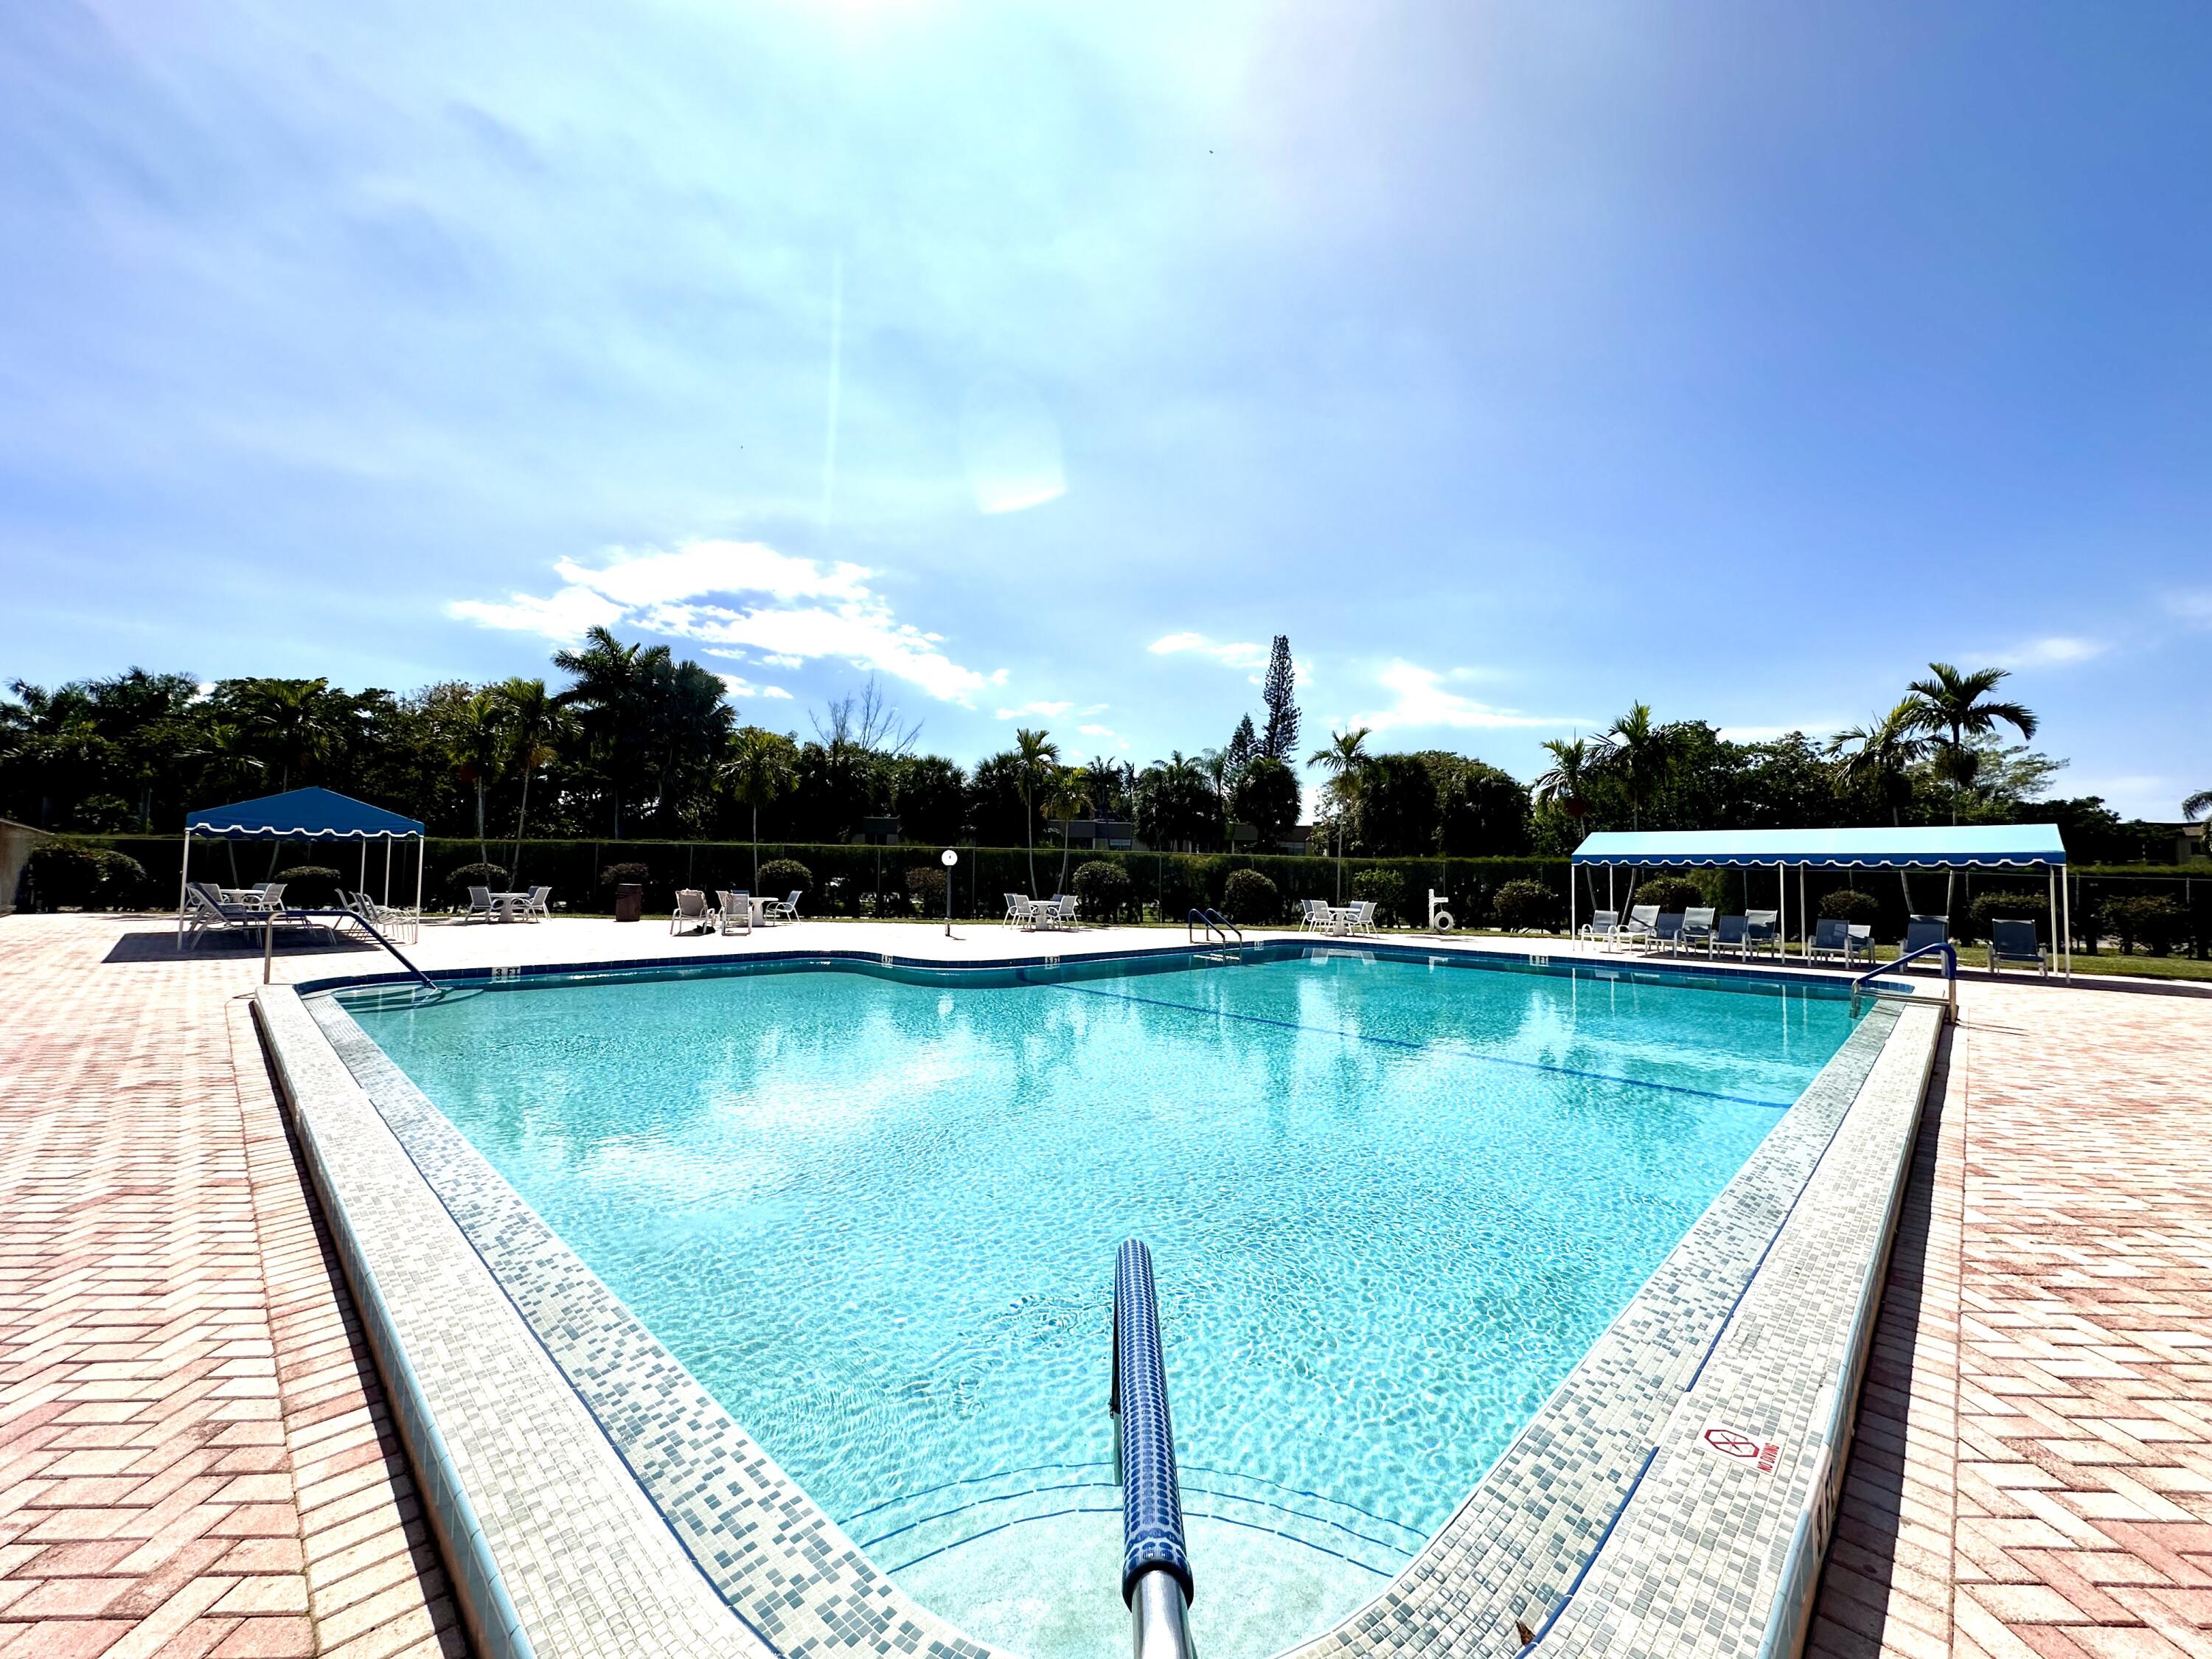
(273, 895)
(1021, 910)
(1922, 932)
(736, 916)
(692, 911)
(481, 909)
(1642, 924)
(788, 908)
(1758, 931)
(1065, 905)
(1363, 917)
(1600, 928)
(1731, 933)
(1862, 940)
(204, 903)
(2015, 941)
(1697, 929)
(536, 906)
(1832, 937)
(1666, 930)
(1316, 916)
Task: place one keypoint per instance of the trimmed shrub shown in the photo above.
(2007, 907)
(1388, 889)
(781, 876)
(1521, 905)
(1104, 889)
(316, 886)
(2155, 922)
(62, 875)
(1250, 900)
(1848, 904)
(924, 886)
(494, 876)
(1670, 893)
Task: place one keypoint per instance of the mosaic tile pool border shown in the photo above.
(1532, 1551)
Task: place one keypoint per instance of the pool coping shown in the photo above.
(1554, 1543)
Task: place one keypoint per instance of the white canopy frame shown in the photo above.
(388, 837)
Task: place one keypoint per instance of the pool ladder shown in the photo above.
(1218, 927)
(1156, 1580)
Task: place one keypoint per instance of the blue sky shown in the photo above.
(1517, 362)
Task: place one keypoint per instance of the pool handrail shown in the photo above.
(1214, 922)
(1156, 1579)
(1943, 947)
(268, 932)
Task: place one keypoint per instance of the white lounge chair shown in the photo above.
(1641, 927)
(737, 912)
(206, 910)
(692, 911)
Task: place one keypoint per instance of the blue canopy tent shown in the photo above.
(1920, 847)
(302, 815)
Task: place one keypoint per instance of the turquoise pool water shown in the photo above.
(1390, 1205)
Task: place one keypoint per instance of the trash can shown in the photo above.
(630, 899)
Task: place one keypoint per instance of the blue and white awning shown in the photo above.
(300, 815)
(1926, 847)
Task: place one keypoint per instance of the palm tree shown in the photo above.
(760, 770)
(1952, 707)
(290, 723)
(1037, 757)
(533, 723)
(1566, 785)
(1877, 758)
(613, 690)
(1636, 752)
(1070, 799)
(1344, 757)
(477, 746)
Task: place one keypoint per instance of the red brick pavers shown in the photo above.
(195, 1457)
(2033, 1470)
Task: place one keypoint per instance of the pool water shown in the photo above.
(1390, 1205)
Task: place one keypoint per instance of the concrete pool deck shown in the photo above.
(192, 1450)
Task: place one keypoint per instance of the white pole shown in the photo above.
(183, 883)
(364, 887)
(1804, 915)
(1571, 898)
(387, 872)
(421, 857)
(1781, 904)
(2066, 926)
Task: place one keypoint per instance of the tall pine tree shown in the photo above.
(1280, 741)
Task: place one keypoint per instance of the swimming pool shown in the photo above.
(1391, 1203)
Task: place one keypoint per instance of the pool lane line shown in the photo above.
(1411, 1047)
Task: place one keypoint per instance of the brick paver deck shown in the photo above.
(2032, 1475)
(194, 1454)
(195, 1459)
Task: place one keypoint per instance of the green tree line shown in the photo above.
(624, 741)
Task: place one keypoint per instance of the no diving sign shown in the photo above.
(1751, 1451)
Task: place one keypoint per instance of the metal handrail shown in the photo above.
(1214, 922)
(268, 941)
(1155, 1578)
(1950, 955)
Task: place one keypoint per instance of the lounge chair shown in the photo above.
(206, 908)
(2015, 941)
(692, 911)
(1759, 932)
(481, 909)
(1666, 930)
(736, 913)
(1922, 932)
(1641, 925)
(1832, 937)
(1730, 934)
(1600, 928)
(1697, 929)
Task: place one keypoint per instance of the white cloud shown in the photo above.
(2051, 650)
(1098, 731)
(2192, 607)
(1048, 709)
(1237, 655)
(737, 685)
(790, 609)
(1421, 700)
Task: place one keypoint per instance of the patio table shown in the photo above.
(510, 904)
